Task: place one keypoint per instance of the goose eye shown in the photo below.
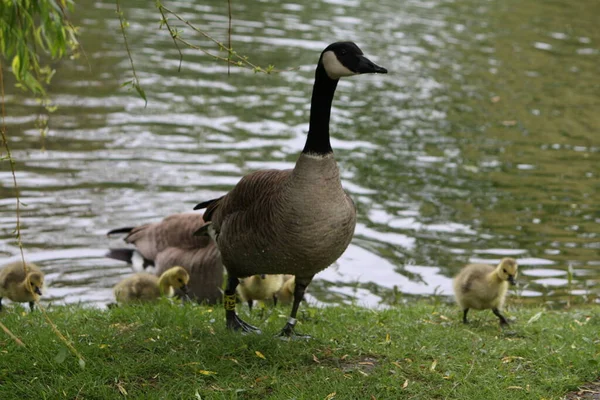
(343, 52)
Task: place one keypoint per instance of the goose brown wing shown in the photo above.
(174, 231)
(251, 191)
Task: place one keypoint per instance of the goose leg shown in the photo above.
(233, 321)
(503, 320)
(288, 329)
(465, 311)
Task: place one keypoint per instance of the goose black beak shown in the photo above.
(511, 279)
(366, 66)
(37, 291)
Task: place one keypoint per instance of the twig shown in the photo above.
(12, 335)
(242, 60)
(11, 161)
(173, 35)
(125, 40)
(136, 82)
(229, 39)
(18, 227)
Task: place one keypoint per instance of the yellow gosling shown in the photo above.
(260, 287)
(482, 286)
(142, 286)
(286, 293)
(20, 287)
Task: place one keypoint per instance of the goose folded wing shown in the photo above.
(253, 190)
(174, 231)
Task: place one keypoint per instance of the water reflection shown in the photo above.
(481, 143)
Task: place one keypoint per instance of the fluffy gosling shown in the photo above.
(286, 293)
(20, 287)
(482, 286)
(142, 286)
(260, 287)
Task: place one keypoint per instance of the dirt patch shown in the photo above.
(364, 365)
(590, 391)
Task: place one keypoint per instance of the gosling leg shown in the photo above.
(31, 304)
(288, 329)
(503, 320)
(465, 311)
(274, 301)
(0, 303)
(250, 305)
(233, 321)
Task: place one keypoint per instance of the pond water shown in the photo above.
(482, 142)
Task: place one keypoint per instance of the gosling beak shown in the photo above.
(366, 66)
(184, 289)
(511, 279)
(37, 291)
(263, 276)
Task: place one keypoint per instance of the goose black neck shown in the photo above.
(317, 141)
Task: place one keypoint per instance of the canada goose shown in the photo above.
(286, 293)
(482, 286)
(260, 287)
(146, 287)
(296, 221)
(21, 286)
(170, 242)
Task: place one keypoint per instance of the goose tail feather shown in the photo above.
(120, 230)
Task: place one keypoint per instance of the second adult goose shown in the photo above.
(170, 242)
(296, 221)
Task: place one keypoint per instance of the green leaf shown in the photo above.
(141, 92)
(535, 317)
(16, 65)
(61, 356)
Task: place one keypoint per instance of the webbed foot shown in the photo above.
(235, 323)
(288, 332)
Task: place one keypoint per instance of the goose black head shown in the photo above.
(345, 59)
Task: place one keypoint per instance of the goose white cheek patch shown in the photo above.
(334, 68)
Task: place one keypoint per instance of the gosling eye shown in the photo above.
(504, 270)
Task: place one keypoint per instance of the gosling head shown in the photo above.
(178, 278)
(345, 59)
(508, 269)
(36, 282)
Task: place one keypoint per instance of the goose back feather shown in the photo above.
(170, 243)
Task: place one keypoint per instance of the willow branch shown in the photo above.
(173, 35)
(229, 38)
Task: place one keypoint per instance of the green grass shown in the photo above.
(419, 350)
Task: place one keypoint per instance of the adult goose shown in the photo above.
(170, 243)
(296, 221)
